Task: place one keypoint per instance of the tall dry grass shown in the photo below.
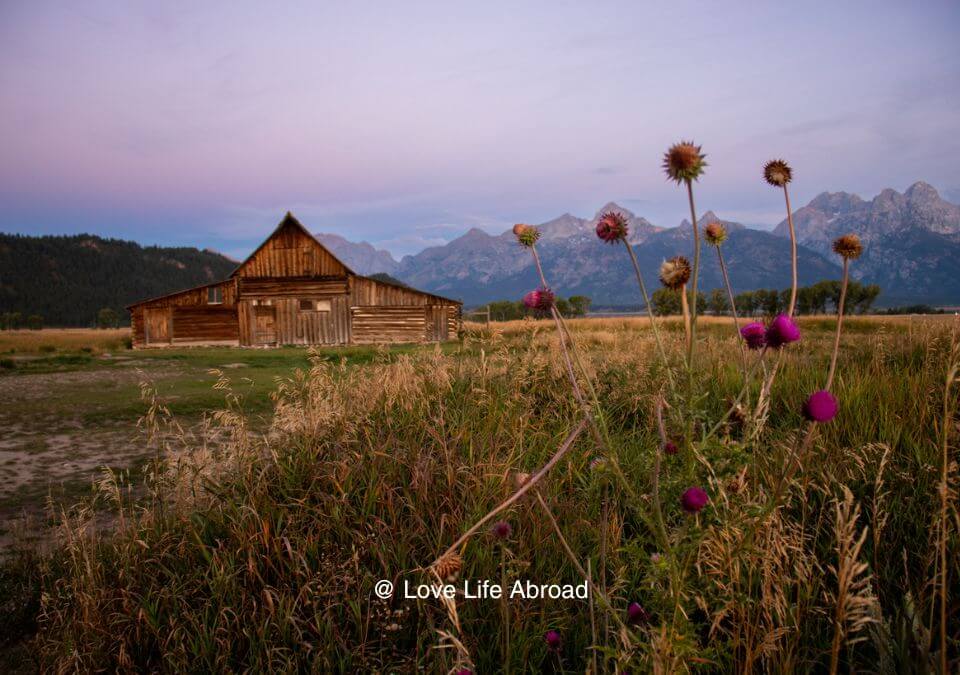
(260, 553)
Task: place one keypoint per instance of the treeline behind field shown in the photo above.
(818, 298)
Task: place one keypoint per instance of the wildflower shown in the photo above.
(597, 463)
(448, 566)
(527, 235)
(755, 335)
(777, 172)
(675, 272)
(781, 331)
(670, 448)
(693, 500)
(501, 530)
(612, 227)
(553, 640)
(520, 478)
(541, 299)
(464, 671)
(684, 162)
(655, 558)
(821, 406)
(848, 246)
(715, 233)
(637, 615)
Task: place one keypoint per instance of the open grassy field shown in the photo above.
(271, 495)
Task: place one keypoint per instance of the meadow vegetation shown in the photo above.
(261, 553)
(738, 495)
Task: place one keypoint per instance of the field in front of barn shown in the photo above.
(268, 490)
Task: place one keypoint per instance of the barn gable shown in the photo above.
(291, 251)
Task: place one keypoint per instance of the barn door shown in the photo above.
(156, 324)
(437, 322)
(265, 325)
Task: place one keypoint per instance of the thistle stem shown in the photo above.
(649, 306)
(523, 489)
(793, 253)
(733, 310)
(696, 272)
(685, 306)
(836, 337)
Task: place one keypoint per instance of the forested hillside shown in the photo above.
(68, 279)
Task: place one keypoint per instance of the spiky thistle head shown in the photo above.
(553, 640)
(755, 335)
(612, 227)
(675, 272)
(684, 162)
(637, 615)
(821, 406)
(848, 246)
(540, 299)
(448, 567)
(777, 172)
(526, 235)
(501, 530)
(670, 448)
(694, 499)
(715, 233)
(782, 331)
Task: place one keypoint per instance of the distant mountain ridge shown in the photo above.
(911, 240)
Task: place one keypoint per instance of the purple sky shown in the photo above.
(407, 123)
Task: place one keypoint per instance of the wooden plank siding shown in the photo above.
(292, 291)
(301, 288)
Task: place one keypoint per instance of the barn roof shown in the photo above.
(290, 219)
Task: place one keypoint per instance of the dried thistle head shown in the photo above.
(715, 233)
(526, 235)
(520, 479)
(675, 272)
(612, 227)
(684, 162)
(777, 172)
(448, 567)
(848, 246)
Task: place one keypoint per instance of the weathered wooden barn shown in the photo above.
(293, 291)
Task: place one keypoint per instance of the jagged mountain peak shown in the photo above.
(616, 208)
(362, 257)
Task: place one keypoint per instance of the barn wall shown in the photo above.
(366, 292)
(303, 288)
(286, 324)
(291, 252)
(207, 323)
(388, 324)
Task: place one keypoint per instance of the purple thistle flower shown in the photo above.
(501, 530)
(637, 615)
(464, 671)
(540, 299)
(670, 448)
(612, 227)
(782, 331)
(694, 499)
(755, 335)
(821, 406)
(553, 640)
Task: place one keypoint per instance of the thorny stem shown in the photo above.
(685, 306)
(736, 401)
(649, 306)
(733, 310)
(696, 272)
(522, 490)
(836, 337)
(576, 563)
(793, 253)
(655, 481)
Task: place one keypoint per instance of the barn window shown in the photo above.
(215, 295)
(323, 305)
(306, 305)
